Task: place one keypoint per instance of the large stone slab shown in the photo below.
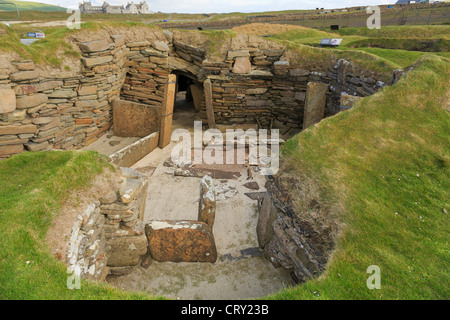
(125, 251)
(242, 65)
(24, 75)
(347, 101)
(181, 241)
(7, 101)
(94, 46)
(131, 154)
(134, 120)
(316, 99)
(26, 102)
(89, 62)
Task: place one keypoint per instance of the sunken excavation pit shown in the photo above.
(193, 231)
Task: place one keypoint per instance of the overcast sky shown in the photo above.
(221, 6)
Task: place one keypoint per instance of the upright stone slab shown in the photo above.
(242, 65)
(181, 241)
(7, 101)
(316, 99)
(134, 119)
(207, 204)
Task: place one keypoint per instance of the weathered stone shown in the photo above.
(161, 46)
(33, 88)
(169, 35)
(347, 101)
(94, 46)
(25, 65)
(109, 198)
(87, 90)
(301, 96)
(118, 39)
(299, 72)
(129, 188)
(154, 53)
(90, 62)
(133, 119)
(29, 128)
(10, 149)
(281, 67)
(24, 75)
(242, 65)
(63, 94)
(125, 251)
(315, 103)
(252, 185)
(207, 204)
(238, 53)
(37, 146)
(26, 102)
(267, 215)
(17, 115)
(7, 101)
(181, 241)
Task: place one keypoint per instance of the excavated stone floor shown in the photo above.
(240, 271)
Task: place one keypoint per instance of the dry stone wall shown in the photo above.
(252, 83)
(61, 112)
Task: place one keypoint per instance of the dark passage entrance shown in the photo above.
(183, 99)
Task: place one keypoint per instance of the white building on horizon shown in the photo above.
(130, 8)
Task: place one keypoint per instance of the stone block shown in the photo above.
(207, 204)
(347, 101)
(26, 102)
(134, 120)
(238, 53)
(315, 103)
(7, 101)
(90, 62)
(181, 241)
(242, 65)
(161, 46)
(94, 46)
(125, 251)
(29, 128)
(24, 75)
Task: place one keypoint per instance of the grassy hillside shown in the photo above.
(33, 188)
(27, 5)
(385, 162)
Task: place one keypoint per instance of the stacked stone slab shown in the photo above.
(61, 112)
(285, 240)
(126, 242)
(249, 85)
(86, 251)
(108, 237)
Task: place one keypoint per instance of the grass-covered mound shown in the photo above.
(33, 188)
(384, 166)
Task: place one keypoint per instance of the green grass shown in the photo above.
(369, 49)
(32, 190)
(386, 162)
(398, 32)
